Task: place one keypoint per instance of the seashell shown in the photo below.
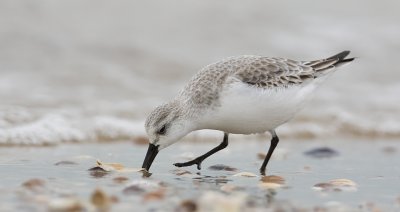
(187, 206)
(272, 182)
(110, 167)
(120, 179)
(336, 185)
(65, 204)
(245, 174)
(154, 195)
(100, 200)
(34, 184)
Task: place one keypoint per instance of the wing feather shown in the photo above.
(269, 72)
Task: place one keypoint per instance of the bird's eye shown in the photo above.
(162, 130)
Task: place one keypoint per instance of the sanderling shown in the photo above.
(239, 95)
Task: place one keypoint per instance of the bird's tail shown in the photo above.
(321, 67)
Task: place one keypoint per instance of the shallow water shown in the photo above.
(89, 78)
(97, 80)
(372, 165)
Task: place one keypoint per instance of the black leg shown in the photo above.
(274, 143)
(200, 159)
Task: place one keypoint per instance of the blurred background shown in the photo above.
(87, 71)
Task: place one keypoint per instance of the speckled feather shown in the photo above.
(259, 71)
(262, 92)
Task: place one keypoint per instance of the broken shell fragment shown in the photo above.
(245, 174)
(343, 182)
(336, 185)
(102, 169)
(110, 166)
(273, 179)
(272, 182)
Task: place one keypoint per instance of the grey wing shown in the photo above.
(279, 72)
(268, 72)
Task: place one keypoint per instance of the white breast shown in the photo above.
(246, 109)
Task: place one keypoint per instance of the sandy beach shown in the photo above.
(58, 178)
(77, 80)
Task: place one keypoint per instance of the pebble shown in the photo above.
(98, 172)
(132, 190)
(65, 162)
(216, 201)
(322, 152)
(180, 172)
(187, 206)
(389, 150)
(221, 167)
(120, 179)
(34, 184)
(154, 195)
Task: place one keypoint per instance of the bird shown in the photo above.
(247, 94)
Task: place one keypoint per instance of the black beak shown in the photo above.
(150, 155)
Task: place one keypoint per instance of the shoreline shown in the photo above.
(71, 178)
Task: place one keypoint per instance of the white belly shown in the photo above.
(246, 109)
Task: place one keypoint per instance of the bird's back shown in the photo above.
(205, 87)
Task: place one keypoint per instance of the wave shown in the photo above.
(53, 129)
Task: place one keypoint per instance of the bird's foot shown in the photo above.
(196, 161)
(262, 172)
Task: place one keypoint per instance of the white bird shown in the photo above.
(239, 95)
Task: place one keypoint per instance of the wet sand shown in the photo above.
(57, 178)
(80, 82)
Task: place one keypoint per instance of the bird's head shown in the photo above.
(164, 126)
